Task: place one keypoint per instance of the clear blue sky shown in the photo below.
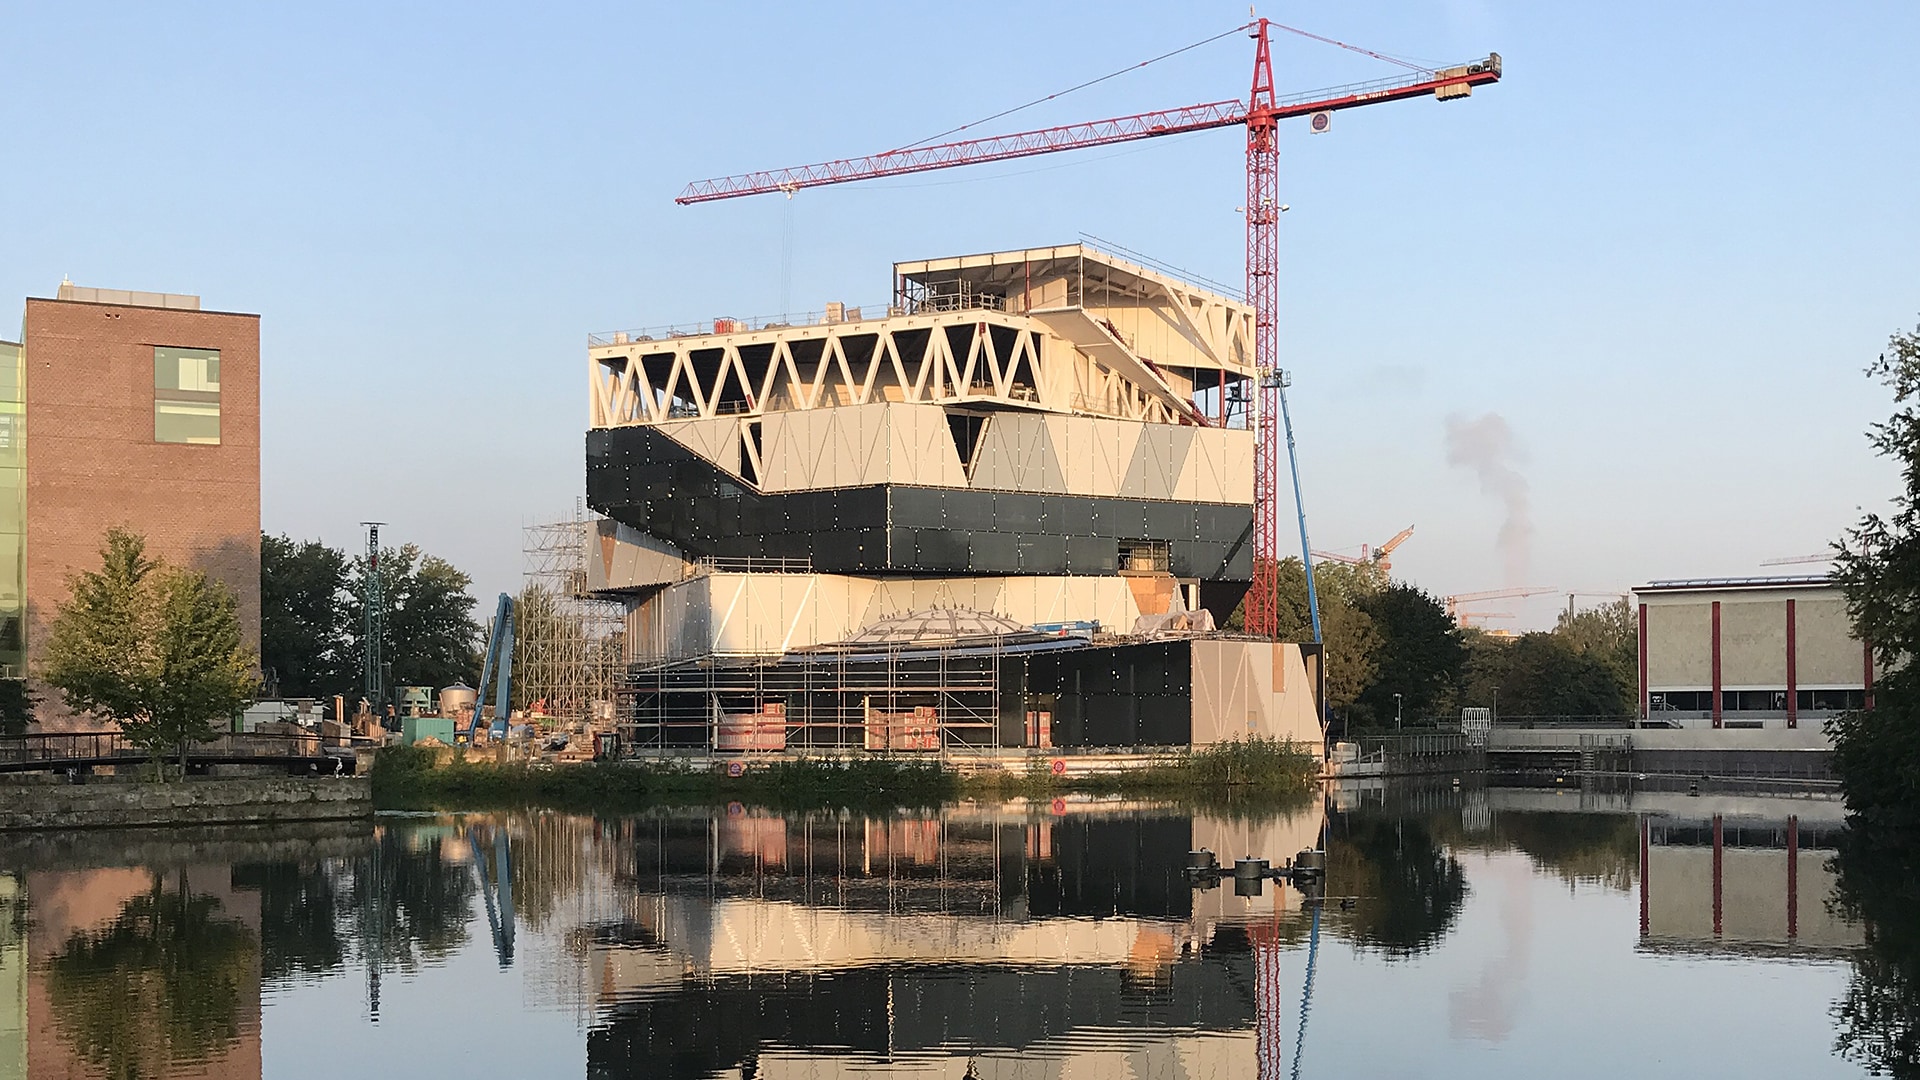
(1662, 248)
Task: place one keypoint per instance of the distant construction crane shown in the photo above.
(1793, 560)
(1464, 618)
(1260, 114)
(1375, 558)
(1571, 593)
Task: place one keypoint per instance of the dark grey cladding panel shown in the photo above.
(995, 553)
(1038, 550)
(640, 477)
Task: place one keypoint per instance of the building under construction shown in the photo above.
(1007, 508)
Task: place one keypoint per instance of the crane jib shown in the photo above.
(1444, 84)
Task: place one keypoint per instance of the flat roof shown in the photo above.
(142, 307)
(1778, 581)
(1117, 268)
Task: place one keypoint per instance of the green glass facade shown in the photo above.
(13, 511)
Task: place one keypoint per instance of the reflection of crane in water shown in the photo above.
(497, 893)
(1307, 872)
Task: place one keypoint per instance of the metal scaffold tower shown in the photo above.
(570, 648)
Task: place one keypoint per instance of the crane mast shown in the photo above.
(1261, 114)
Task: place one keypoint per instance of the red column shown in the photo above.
(1793, 669)
(1644, 826)
(1716, 707)
(1718, 843)
(1793, 878)
(1643, 663)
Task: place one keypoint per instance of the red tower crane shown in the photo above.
(1260, 114)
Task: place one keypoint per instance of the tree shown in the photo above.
(431, 638)
(304, 646)
(1877, 750)
(1610, 635)
(1421, 654)
(153, 648)
(1352, 643)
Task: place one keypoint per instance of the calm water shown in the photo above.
(1487, 932)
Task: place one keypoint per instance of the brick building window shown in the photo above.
(186, 396)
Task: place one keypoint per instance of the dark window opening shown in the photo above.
(750, 452)
(967, 429)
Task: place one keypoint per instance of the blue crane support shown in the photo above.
(498, 666)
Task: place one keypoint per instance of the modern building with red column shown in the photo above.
(1759, 652)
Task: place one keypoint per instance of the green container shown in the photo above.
(415, 728)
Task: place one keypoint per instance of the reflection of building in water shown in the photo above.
(1732, 882)
(13, 979)
(135, 972)
(972, 932)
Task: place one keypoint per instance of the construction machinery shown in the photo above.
(1796, 560)
(1260, 114)
(1465, 618)
(1611, 594)
(1375, 558)
(499, 667)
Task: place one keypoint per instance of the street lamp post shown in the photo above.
(1396, 712)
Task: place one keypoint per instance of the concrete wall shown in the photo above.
(92, 461)
(1801, 738)
(1828, 653)
(1678, 640)
(204, 802)
(771, 613)
(1244, 689)
(1034, 452)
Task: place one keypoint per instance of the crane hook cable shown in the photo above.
(1071, 89)
(1409, 65)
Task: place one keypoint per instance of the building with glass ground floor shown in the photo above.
(1749, 652)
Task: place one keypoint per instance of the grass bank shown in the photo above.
(412, 778)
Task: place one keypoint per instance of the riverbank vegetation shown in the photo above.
(1877, 749)
(1397, 658)
(421, 778)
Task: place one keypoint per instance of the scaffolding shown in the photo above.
(569, 653)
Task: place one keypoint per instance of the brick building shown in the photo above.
(125, 408)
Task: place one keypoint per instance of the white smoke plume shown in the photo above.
(1485, 444)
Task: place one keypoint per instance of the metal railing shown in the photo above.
(847, 313)
(57, 749)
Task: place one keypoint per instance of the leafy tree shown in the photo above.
(151, 647)
(1352, 642)
(1610, 635)
(304, 646)
(431, 637)
(1421, 654)
(1877, 750)
(1488, 657)
(1539, 674)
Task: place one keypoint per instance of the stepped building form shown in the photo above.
(1007, 508)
